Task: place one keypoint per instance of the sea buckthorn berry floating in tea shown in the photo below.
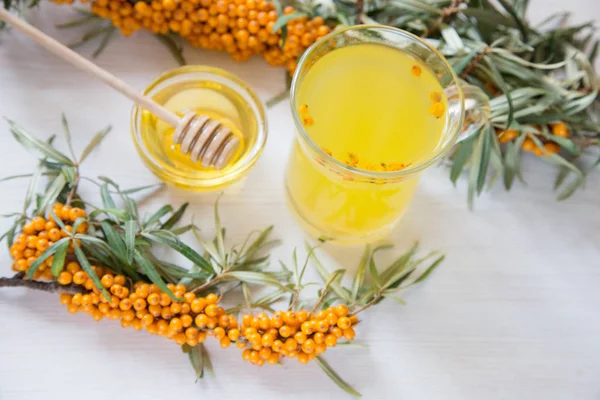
(374, 109)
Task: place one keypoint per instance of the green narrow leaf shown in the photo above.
(197, 360)
(153, 275)
(474, 171)
(374, 274)
(53, 191)
(259, 278)
(132, 208)
(511, 161)
(336, 378)
(104, 42)
(182, 248)
(174, 49)
(77, 22)
(58, 262)
(247, 295)
(32, 188)
(32, 143)
(130, 232)
(429, 270)
(360, 272)
(85, 264)
(486, 150)
(219, 236)
(282, 20)
(207, 363)
(93, 143)
(335, 287)
(43, 257)
(67, 131)
(164, 210)
(175, 218)
(117, 246)
(463, 153)
(107, 199)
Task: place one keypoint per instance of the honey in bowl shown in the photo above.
(205, 91)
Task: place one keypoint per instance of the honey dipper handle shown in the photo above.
(82, 63)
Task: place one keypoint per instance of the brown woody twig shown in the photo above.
(50, 287)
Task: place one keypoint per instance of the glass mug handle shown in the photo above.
(477, 109)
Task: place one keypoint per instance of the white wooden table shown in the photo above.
(511, 314)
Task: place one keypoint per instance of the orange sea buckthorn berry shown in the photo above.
(416, 70)
(80, 277)
(73, 308)
(528, 145)
(552, 148)
(225, 342)
(341, 310)
(435, 96)
(139, 304)
(278, 345)
(233, 334)
(189, 297)
(344, 323)
(166, 313)
(54, 234)
(303, 358)
(137, 324)
(198, 305)
(165, 300)
(308, 121)
(107, 280)
(212, 298)
(125, 304)
(319, 337)
(176, 307)
(437, 109)
(176, 324)
(330, 340)
(219, 332)
(65, 298)
(38, 223)
(246, 354)
(561, 130)
(147, 319)
(265, 353)
(153, 299)
(349, 334)
(28, 229)
(308, 327)
(119, 280)
(186, 320)
(322, 326)
(201, 321)
(127, 315)
(285, 331)
(291, 344)
(240, 345)
(64, 278)
(211, 310)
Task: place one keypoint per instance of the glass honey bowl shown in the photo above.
(205, 90)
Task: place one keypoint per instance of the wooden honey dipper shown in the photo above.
(203, 138)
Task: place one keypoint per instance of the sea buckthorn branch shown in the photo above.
(50, 287)
(102, 264)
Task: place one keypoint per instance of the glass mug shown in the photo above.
(337, 201)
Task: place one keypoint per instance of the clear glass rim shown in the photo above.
(361, 172)
(243, 164)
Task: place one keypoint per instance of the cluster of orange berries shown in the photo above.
(41, 233)
(240, 27)
(300, 334)
(559, 129)
(146, 306)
